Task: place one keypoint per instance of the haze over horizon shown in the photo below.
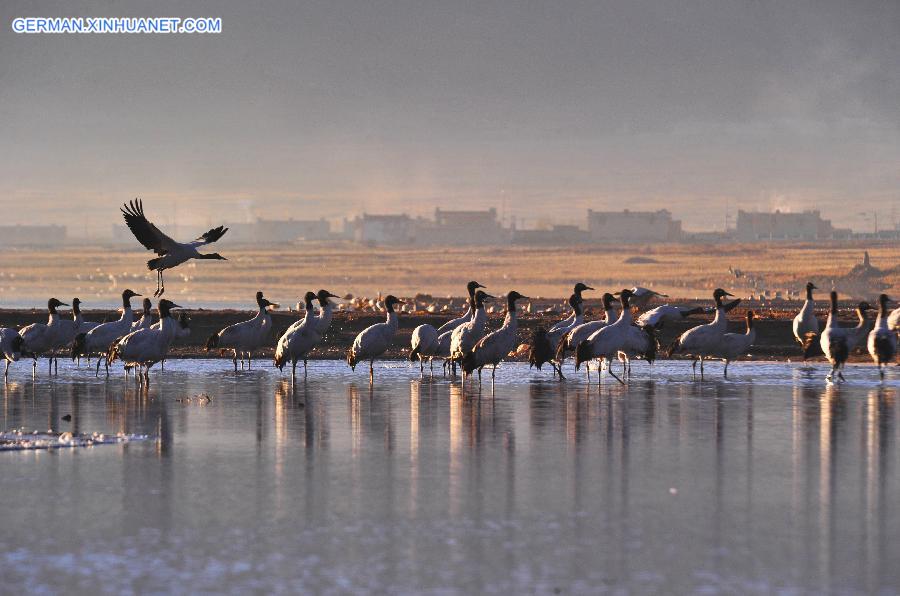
(540, 110)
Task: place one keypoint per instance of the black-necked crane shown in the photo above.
(245, 337)
(171, 253)
(145, 347)
(667, 313)
(326, 310)
(833, 341)
(544, 343)
(428, 342)
(374, 340)
(856, 336)
(47, 338)
(496, 345)
(623, 336)
(734, 345)
(299, 340)
(581, 332)
(703, 340)
(464, 337)
(10, 347)
(452, 324)
(567, 322)
(146, 316)
(98, 340)
(882, 341)
(641, 297)
(806, 322)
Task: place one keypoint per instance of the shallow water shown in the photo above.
(771, 480)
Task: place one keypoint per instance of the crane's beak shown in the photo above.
(176, 306)
(488, 295)
(330, 295)
(588, 288)
(64, 304)
(729, 294)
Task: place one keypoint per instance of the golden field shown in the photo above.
(98, 274)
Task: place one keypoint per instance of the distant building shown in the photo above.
(464, 227)
(557, 235)
(633, 226)
(807, 225)
(382, 229)
(33, 235)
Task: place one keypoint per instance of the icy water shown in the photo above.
(769, 481)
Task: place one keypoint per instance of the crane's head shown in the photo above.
(324, 295)
(391, 301)
(810, 286)
(480, 297)
(624, 296)
(864, 306)
(608, 299)
(513, 296)
(147, 305)
(262, 302)
(165, 306)
(127, 294)
(580, 287)
(53, 303)
(472, 286)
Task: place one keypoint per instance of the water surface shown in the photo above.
(771, 480)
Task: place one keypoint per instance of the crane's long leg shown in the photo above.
(97, 372)
(701, 367)
(293, 370)
(249, 358)
(371, 371)
(6, 372)
(726, 369)
(234, 360)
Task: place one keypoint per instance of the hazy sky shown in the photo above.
(551, 107)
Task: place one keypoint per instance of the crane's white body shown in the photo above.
(246, 337)
(464, 337)
(894, 319)
(805, 322)
(882, 341)
(374, 340)
(10, 347)
(640, 297)
(834, 344)
(666, 313)
(734, 345)
(581, 332)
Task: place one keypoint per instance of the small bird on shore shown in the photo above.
(171, 253)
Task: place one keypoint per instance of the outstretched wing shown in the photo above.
(146, 233)
(210, 236)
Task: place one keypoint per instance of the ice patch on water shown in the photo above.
(21, 440)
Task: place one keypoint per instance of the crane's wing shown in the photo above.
(146, 233)
(210, 236)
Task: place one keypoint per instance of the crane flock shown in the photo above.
(462, 342)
